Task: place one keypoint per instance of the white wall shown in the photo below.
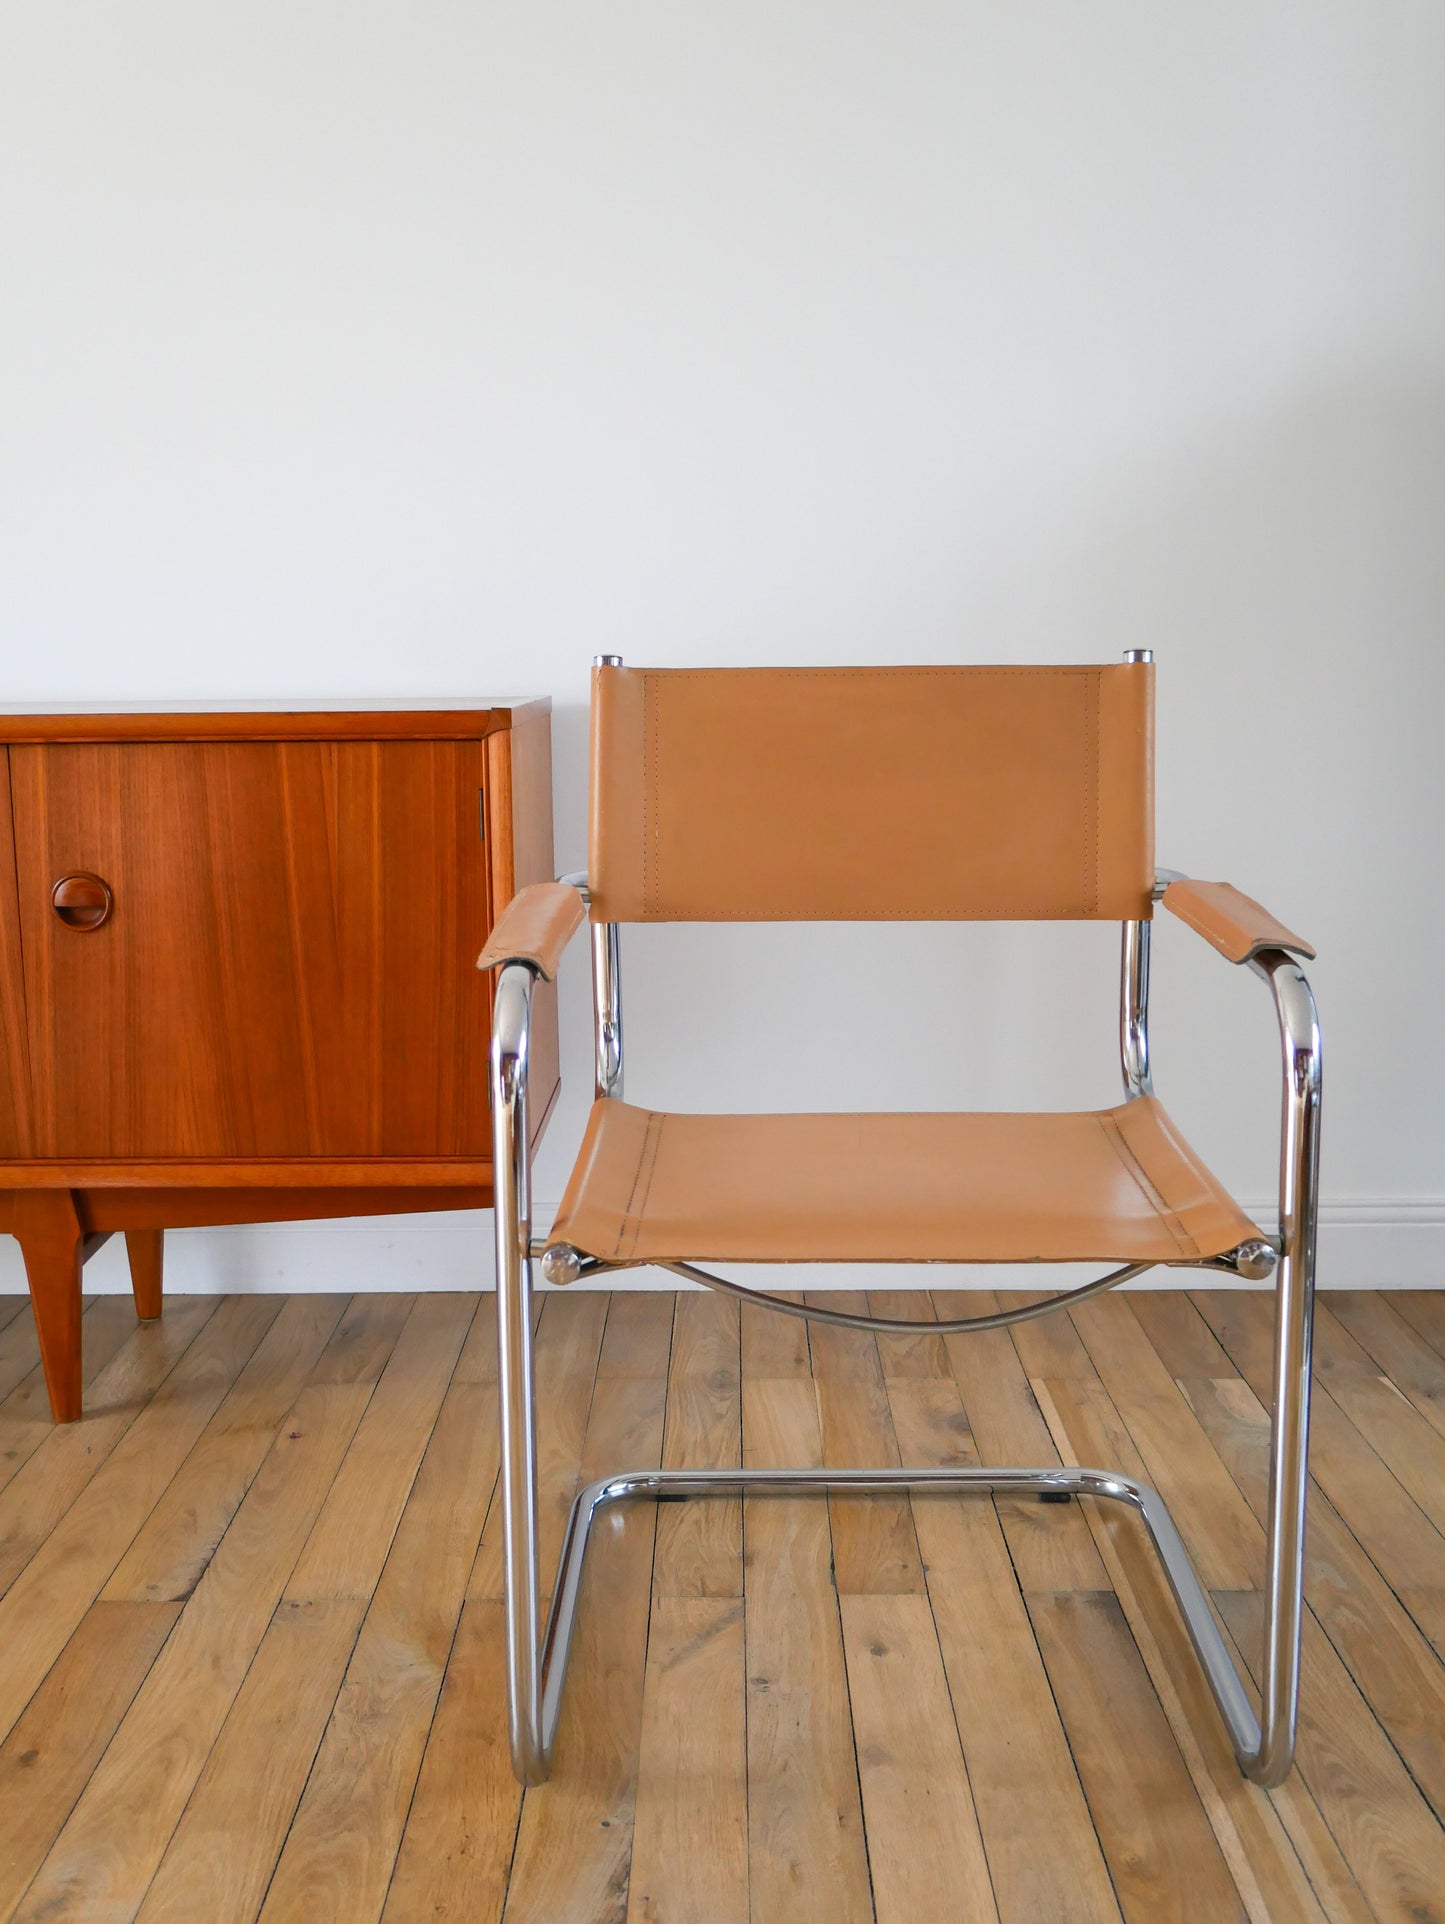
(437, 347)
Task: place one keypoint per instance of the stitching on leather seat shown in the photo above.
(1155, 1197)
(1186, 1154)
(636, 1210)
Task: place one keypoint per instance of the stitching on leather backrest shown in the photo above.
(1091, 790)
(651, 797)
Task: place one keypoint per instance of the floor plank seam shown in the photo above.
(280, 1433)
(119, 1438)
(1047, 1675)
(175, 1627)
(1322, 1629)
(1395, 1297)
(1179, 1720)
(456, 1625)
(105, 1579)
(1424, 1523)
(82, 1787)
(322, 1729)
(626, 1891)
(546, 1577)
(362, 1616)
(848, 1690)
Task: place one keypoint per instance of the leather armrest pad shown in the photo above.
(1237, 926)
(535, 927)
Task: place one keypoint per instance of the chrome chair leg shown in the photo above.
(1270, 1763)
(516, 1372)
(1293, 1334)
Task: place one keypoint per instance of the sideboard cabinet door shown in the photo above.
(16, 1137)
(253, 949)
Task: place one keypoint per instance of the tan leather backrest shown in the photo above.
(871, 794)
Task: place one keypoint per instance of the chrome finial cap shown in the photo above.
(561, 1264)
(1255, 1261)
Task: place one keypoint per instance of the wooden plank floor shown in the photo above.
(251, 1626)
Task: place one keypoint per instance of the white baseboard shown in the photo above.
(1364, 1244)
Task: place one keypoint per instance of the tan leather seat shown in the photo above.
(1112, 1185)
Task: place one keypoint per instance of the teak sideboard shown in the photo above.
(237, 972)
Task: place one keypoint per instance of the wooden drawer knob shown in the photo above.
(81, 901)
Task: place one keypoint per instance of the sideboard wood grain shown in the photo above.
(258, 986)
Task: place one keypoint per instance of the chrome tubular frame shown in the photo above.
(1134, 984)
(536, 1664)
(563, 1264)
(516, 1375)
(607, 982)
(1209, 1645)
(1134, 1010)
(1299, 1165)
(607, 1007)
(900, 1325)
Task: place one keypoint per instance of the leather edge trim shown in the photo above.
(535, 927)
(615, 831)
(1230, 921)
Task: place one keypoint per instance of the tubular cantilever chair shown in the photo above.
(891, 795)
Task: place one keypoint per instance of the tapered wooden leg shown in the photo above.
(45, 1224)
(145, 1250)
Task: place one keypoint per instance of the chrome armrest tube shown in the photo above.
(534, 1660)
(1293, 1339)
(1267, 1760)
(512, 1220)
(511, 1038)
